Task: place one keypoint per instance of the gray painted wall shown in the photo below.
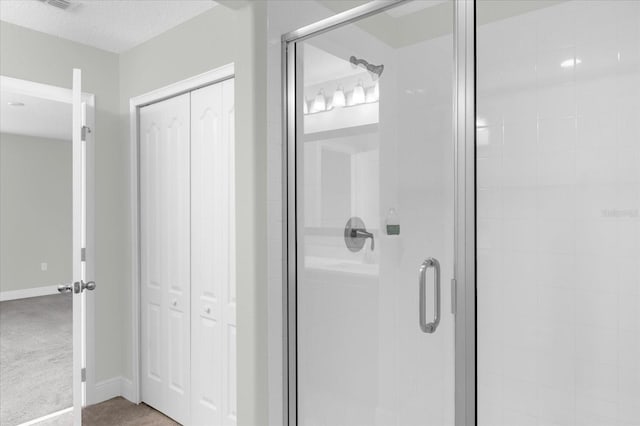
(35, 56)
(35, 211)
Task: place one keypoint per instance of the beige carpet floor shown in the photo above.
(120, 412)
(35, 357)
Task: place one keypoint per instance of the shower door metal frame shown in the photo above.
(464, 280)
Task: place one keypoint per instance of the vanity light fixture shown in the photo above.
(340, 99)
(15, 104)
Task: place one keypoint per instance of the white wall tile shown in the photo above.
(557, 134)
(520, 136)
(598, 131)
(557, 168)
(557, 304)
(556, 29)
(596, 380)
(558, 270)
(518, 170)
(596, 166)
(595, 20)
(629, 313)
(556, 202)
(563, 204)
(628, 269)
(557, 406)
(594, 411)
(521, 398)
(519, 234)
(597, 344)
(595, 308)
(548, 66)
(518, 203)
(593, 276)
(557, 101)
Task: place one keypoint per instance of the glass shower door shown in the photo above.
(374, 216)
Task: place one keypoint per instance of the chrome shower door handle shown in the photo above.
(431, 326)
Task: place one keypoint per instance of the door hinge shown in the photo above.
(83, 254)
(83, 374)
(84, 131)
(454, 290)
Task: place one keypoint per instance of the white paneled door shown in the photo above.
(188, 326)
(165, 257)
(213, 316)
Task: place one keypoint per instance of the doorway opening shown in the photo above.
(47, 227)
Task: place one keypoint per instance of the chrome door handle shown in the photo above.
(65, 288)
(432, 326)
(91, 285)
(77, 287)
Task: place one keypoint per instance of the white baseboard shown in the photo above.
(110, 388)
(127, 389)
(42, 419)
(28, 292)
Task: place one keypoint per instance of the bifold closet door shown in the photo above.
(213, 299)
(165, 256)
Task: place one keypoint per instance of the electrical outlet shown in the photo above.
(43, 266)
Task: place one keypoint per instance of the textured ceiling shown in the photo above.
(113, 25)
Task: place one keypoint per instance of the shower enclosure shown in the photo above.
(394, 314)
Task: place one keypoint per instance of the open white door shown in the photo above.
(78, 153)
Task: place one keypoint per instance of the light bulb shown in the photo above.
(371, 95)
(570, 63)
(338, 98)
(319, 103)
(358, 97)
(305, 107)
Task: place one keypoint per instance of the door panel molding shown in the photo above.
(165, 278)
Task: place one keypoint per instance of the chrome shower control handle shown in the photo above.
(362, 233)
(422, 284)
(356, 234)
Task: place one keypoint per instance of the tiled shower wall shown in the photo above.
(558, 178)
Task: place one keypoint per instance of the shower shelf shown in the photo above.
(365, 129)
(342, 119)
